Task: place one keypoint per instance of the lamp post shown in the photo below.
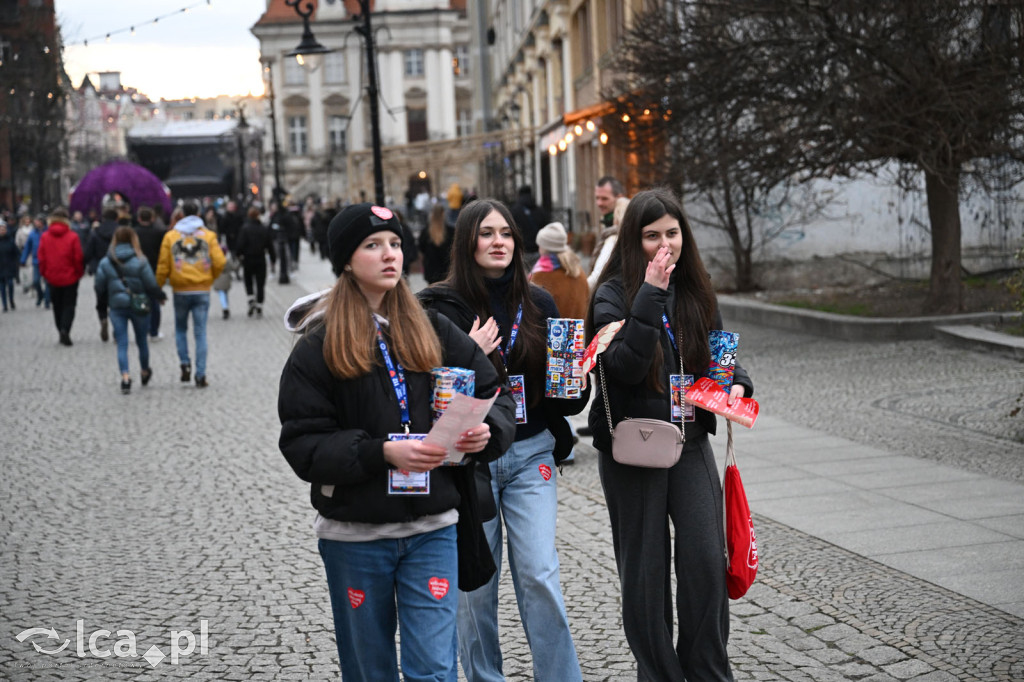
(241, 131)
(268, 62)
(309, 46)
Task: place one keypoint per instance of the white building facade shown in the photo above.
(322, 115)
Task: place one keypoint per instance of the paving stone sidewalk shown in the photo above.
(154, 512)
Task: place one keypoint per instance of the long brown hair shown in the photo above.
(350, 339)
(694, 311)
(467, 278)
(125, 235)
(436, 228)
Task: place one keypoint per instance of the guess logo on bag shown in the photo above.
(438, 587)
(752, 554)
(356, 597)
(545, 472)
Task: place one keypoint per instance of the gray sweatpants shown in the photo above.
(640, 503)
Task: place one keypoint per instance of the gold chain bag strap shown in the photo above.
(641, 442)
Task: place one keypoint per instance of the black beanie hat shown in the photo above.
(349, 228)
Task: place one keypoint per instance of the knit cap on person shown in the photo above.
(355, 223)
(552, 238)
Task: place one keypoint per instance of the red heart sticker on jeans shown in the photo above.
(545, 472)
(438, 587)
(356, 597)
(382, 213)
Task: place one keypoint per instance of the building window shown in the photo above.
(294, 74)
(461, 61)
(334, 67)
(414, 63)
(583, 41)
(417, 128)
(464, 123)
(297, 135)
(336, 126)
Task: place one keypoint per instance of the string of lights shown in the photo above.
(131, 29)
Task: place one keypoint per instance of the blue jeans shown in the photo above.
(119, 320)
(378, 584)
(41, 286)
(523, 482)
(199, 307)
(154, 315)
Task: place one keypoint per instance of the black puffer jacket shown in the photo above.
(553, 410)
(628, 359)
(333, 431)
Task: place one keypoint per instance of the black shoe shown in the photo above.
(126, 386)
(259, 310)
(65, 339)
(252, 307)
(104, 332)
(186, 373)
(147, 374)
(227, 313)
(201, 382)
(584, 431)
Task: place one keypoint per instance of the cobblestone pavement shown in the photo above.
(170, 508)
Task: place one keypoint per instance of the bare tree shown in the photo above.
(753, 94)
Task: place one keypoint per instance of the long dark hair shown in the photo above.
(467, 279)
(694, 311)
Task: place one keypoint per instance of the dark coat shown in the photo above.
(254, 240)
(530, 218)
(553, 410)
(437, 258)
(333, 431)
(150, 239)
(628, 359)
(98, 244)
(10, 256)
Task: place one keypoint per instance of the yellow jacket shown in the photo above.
(190, 256)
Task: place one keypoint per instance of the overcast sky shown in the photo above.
(204, 52)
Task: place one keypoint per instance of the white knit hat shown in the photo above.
(552, 238)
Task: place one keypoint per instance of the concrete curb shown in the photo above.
(978, 338)
(849, 327)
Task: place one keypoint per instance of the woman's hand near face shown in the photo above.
(659, 272)
(486, 336)
(413, 455)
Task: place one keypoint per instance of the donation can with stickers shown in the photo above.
(566, 346)
(447, 382)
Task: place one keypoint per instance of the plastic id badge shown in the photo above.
(518, 384)
(408, 482)
(681, 411)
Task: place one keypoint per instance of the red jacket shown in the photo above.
(60, 256)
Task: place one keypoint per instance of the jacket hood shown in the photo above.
(189, 224)
(124, 252)
(295, 318)
(58, 229)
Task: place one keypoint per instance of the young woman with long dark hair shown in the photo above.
(656, 282)
(488, 294)
(356, 384)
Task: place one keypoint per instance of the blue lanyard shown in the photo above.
(668, 328)
(397, 378)
(507, 352)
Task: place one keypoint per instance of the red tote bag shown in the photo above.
(740, 541)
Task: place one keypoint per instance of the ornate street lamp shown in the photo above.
(309, 46)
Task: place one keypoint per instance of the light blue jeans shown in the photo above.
(120, 319)
(198, 305)
(377, 585)
(523, 482)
